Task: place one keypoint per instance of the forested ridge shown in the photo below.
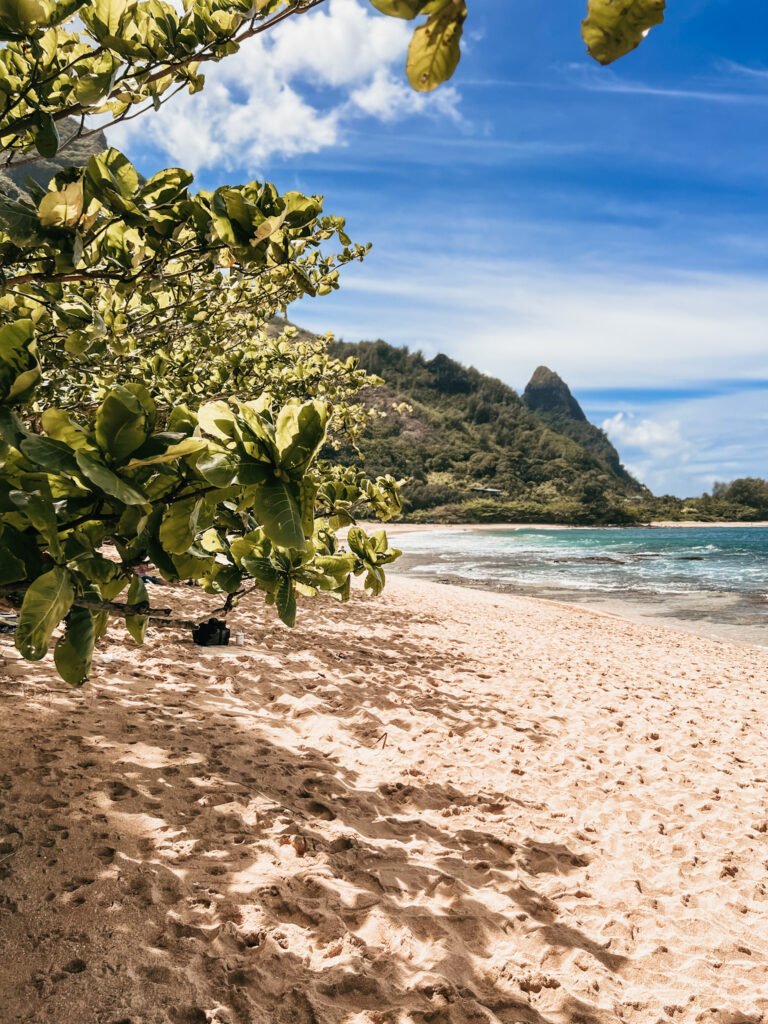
(473, 450)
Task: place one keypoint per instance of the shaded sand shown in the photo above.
(444, 806)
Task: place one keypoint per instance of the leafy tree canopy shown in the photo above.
(146, 416)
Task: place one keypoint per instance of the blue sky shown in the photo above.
(611, 223)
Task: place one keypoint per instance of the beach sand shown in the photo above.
(444, 805)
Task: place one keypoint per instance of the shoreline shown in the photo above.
(721, 615)
(419, 806)
(395, 529)
(638, 612)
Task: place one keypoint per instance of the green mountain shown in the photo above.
(472, 449)
(547, 395)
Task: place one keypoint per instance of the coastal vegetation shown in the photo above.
(145, 418)
(143, 408)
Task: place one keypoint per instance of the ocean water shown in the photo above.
(710, 580)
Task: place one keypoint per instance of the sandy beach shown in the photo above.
(444, 805)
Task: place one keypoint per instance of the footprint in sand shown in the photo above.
(75, 884)
(119, 791)
(75, 967)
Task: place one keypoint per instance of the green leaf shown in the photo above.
(360, 544)
(301, 210)
(190, 567)
(179, 526)
(73, 653)
(299, 434)
(113, 180)
(22, 17)
(21, 548)
(11, 430)
(19, 219)
(103, 478)
(161, 559)
(146, 401)
(182, 419)
(62, 209)
(12, 569)
(374, 580)
(98, 569)
(337, 566)
(52, 455)
(254, 416)
(121, 424)
(307, 496)
(400, 8)
(435, 49)
(105, 16)
(174, 450)
(228, 578)
(211, 543)
(166, 186)
(285, 601)
(46, 602)
(259, 567)
(19, 368)
(40, 512)
(47, 139)
(218, 468)
(277, 510)
(137, 624)
(217, 419)
(58, 425)
(613, 28)
(64, 9)
(267, 227)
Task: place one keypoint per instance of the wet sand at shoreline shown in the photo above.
(731, 615)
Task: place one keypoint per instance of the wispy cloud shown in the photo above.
(590, 79)
(599, 326)
(684, 446)
(673, 363)
(746, 69)
(606, 82)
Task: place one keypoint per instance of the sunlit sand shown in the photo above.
(445, 805)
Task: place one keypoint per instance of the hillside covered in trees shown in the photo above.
(473, 450)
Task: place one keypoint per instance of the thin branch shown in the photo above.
(117, 608)
(201, 56)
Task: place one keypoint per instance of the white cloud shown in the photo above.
(388, 98)
(291, 91)
(686, 444)
(654, 437)
(745, 69)
(603, 326)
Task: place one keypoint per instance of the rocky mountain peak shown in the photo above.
(547, 392)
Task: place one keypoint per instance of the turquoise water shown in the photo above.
(712, 578)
